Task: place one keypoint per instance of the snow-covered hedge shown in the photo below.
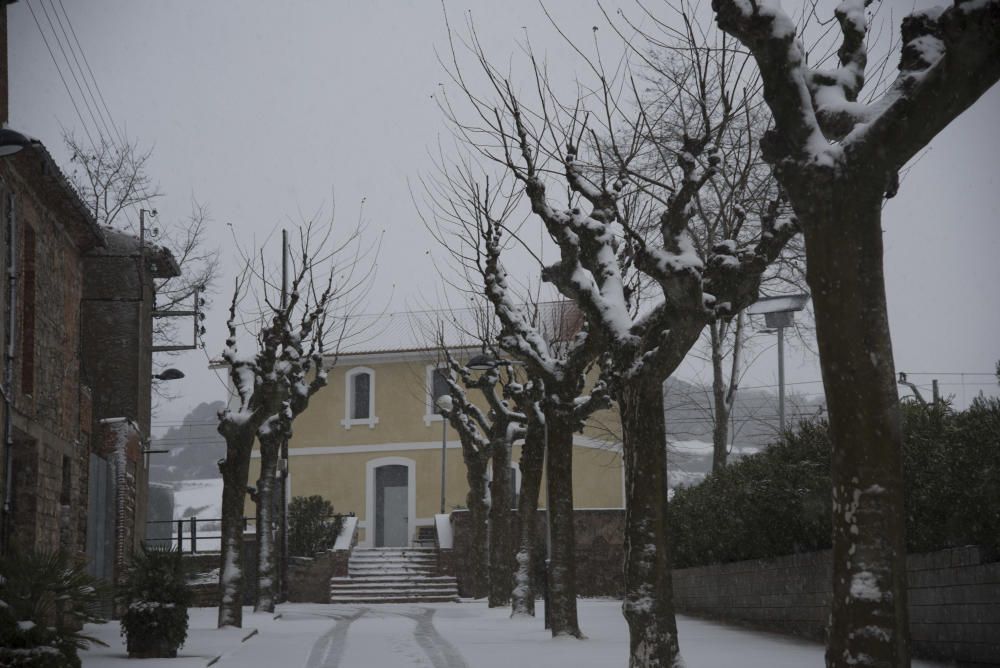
(778, 502)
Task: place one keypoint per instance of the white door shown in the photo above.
(394, 533)
(392, 506)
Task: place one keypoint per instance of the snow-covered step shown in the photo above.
(392, 599)
(393, 575)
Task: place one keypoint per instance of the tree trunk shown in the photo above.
(648, 606)
(235, 470)
(266, 491)
(720, 408)
(501, 574)
(522, 598)
(868, 620)
(562, 565)
(475, 473)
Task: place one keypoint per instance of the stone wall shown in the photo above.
(599, 551)
(954, 599)
(50, 234)
(309, 577)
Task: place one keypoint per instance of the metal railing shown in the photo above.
(186, 529)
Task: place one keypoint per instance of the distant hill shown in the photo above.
(194, 447)
(753, 425)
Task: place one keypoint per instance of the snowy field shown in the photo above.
(444, 635)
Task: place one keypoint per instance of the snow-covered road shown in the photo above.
(445, 635)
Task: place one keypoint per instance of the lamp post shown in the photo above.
(444, 405)
(779, 313)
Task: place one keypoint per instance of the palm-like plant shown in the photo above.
(45, 599)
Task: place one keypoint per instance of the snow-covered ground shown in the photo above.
(201, 499)
(445, 635)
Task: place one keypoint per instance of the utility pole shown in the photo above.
(283, 462)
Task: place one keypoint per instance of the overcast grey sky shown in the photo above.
(261, 110)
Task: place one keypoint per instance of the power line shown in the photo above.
(76, 60)
(55, 62)
(72, 72)
(86, 62)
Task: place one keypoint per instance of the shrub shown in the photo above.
(45, 599)
(778, 502)
(156, 598)
(312, 525)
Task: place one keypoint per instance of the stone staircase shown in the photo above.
(393, 575)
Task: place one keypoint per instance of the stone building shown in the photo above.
(117, 359)
(47, 409)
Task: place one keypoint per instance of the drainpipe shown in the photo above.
(8, 385)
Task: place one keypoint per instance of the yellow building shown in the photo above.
(371, 443)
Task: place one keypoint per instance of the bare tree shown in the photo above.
(467, 219)
(602, 240)
(838, 158)
(297, 336)
(488, 436)
(114, 181)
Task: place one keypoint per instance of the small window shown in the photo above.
(437, 386)
(359, 395)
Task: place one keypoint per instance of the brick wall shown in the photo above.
(50, 237)
(954, 599)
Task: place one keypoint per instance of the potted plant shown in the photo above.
(156, 600)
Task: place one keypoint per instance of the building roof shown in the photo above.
(409, 331)
(37, 167)
(119, 243)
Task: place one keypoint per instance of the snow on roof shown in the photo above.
(405, 331)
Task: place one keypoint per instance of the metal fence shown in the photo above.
(179, 533)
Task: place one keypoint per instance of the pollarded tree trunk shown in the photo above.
(648, 606)
(562, 565)
(475, 473)
(522, 598)
(868, 618)
(501, 575)
(235, 470)
(266, 490)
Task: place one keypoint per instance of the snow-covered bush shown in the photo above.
(156, 596)
(312, 525)
(778, 502)
(45, 599)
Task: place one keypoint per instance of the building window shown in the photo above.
(28, 312)
(65, 493)
(437, 385)
(361, 385)
(359, 396)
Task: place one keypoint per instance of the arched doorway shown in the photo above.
(390, 502)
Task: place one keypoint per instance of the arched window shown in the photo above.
(359, 395)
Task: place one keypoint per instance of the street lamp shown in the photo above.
(779, 312)
(11, 142)
(169, 374)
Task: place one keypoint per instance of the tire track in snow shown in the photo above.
(441, 652)
(329, 649)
